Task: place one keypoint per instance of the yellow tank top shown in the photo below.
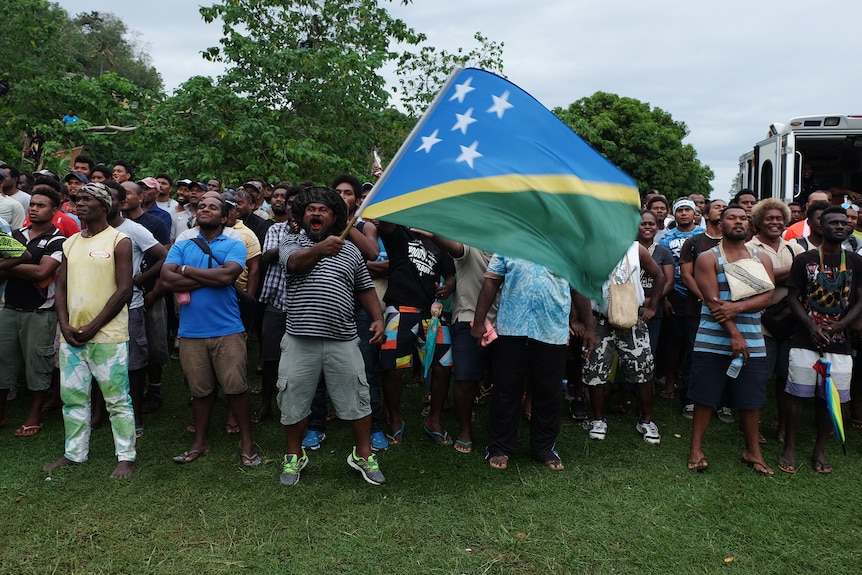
(90, 282)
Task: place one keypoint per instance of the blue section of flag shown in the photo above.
(482, 126)
(489, 166)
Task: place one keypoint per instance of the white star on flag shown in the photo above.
(464, 120)
(501, 104)
(469, 154)
(462, 90)
(428, 142)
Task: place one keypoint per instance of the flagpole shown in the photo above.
(403, 147)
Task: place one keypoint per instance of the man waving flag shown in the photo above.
(489, 166)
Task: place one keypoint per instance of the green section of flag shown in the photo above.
(559, 231)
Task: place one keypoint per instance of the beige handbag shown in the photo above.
(622, 301)
(747, 277)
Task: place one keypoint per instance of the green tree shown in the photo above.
(316, 64)
(207, 130)
(50, 65)
(102, 43)
(645, 142)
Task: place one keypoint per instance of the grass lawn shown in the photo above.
(620, 506)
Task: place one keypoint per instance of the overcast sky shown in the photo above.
(727, 69)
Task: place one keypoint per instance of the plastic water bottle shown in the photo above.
(735, 367)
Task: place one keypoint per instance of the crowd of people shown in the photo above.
(107, 275)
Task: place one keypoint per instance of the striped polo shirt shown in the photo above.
(713, 338)
(321, 303)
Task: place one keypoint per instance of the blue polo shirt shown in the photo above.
(213, 311)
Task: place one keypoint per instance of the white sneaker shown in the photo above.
(725, 415)
(688, 411)
(649, 431)
(598, 429)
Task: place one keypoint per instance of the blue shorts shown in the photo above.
(710, 385)
(469, 359)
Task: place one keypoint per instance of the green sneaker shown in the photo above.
(293, 465)
(369, 468)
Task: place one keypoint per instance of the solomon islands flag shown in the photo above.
(489, 166)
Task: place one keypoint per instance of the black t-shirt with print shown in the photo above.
(415, 265)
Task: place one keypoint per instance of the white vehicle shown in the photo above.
(807, 153)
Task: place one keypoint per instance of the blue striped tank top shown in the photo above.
(712, 338)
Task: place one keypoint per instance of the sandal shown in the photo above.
(28, 430)
(499, 461)
(441, 439)
(396, 437)
(554, 464)
(821, 467)
(463, 446)
(786, 466)
(758, 467)
(252, 460)
(190, 455)
(666, 394)
(231, 429)
(699, 466)
(139, 432)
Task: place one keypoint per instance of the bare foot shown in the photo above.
(62, 462)
(123, 469)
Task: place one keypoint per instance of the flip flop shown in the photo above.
(28, 430)
(139, 432)
(252, 460)
(441, 439)
(190, 455)
(398, 436)
(499, 461)
(231, 429)
(463, 446)
(758, 467)
(786, 466)
(554, 464)
(699, 466)
(821, 467)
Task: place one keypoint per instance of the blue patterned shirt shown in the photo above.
(534, 302)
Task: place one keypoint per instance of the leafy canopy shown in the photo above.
(645, 142)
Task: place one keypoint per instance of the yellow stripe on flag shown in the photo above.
(509, 183)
